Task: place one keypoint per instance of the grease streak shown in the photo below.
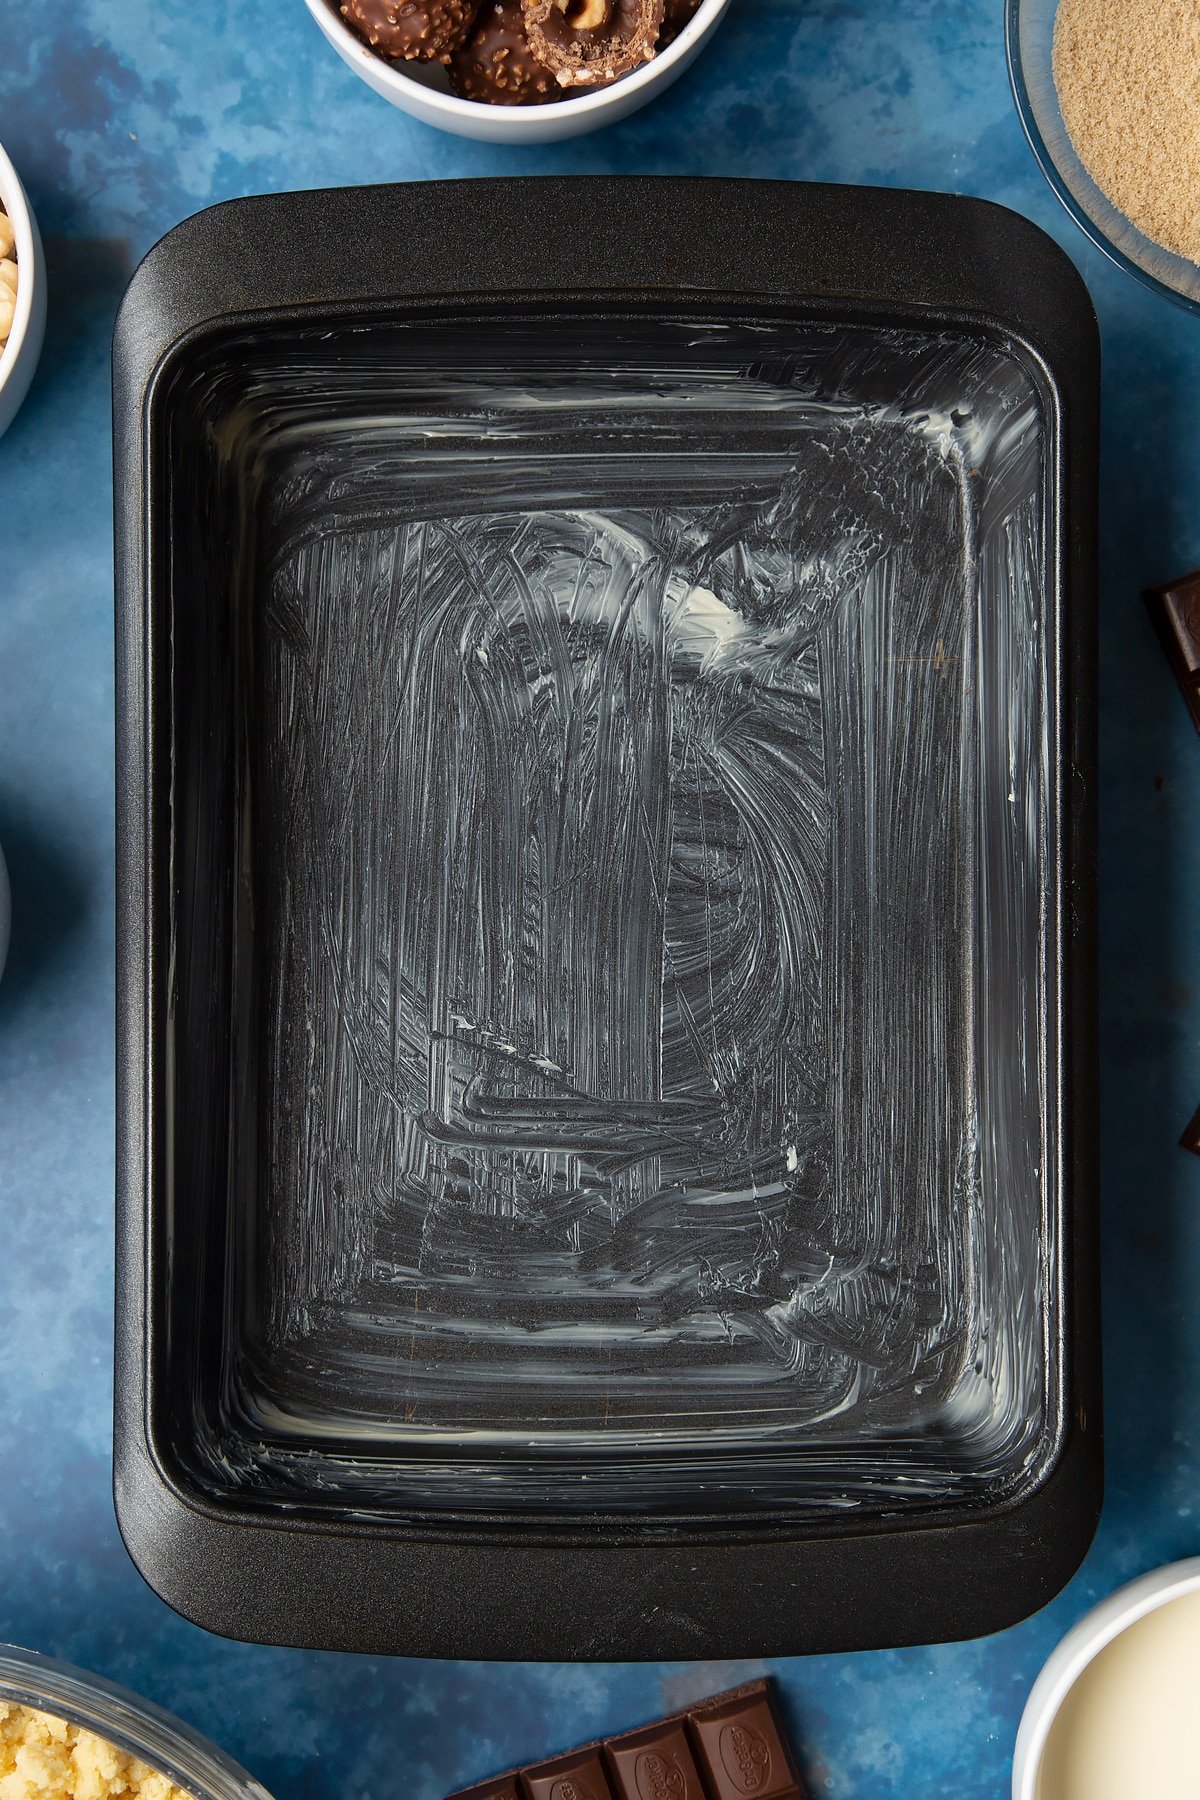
(643, 841)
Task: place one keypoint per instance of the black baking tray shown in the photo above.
(606, 1116)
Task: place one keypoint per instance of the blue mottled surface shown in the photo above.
(124, 115)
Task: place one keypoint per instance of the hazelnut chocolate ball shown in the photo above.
(412, 30)
(589, 43)
(496, 64)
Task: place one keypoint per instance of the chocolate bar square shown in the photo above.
(577, 1776)
(742, 1753)
(655, 1764)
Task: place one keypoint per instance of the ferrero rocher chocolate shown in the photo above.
(412, 30)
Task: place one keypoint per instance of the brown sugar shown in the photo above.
(1128, 80)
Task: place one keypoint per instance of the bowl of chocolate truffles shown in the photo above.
(518, 71)
(22, 293)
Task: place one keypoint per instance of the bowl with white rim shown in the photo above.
(1066, 1729)
(19, 356)
(423, 89)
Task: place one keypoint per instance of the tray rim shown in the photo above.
(807, 250)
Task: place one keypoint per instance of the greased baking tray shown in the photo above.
(606, 1109)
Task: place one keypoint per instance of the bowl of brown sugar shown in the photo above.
(1108, 93)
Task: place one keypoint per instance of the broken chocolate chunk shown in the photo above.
(1175, 609)
(1191, 1135)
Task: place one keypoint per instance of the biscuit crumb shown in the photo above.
(8, 280)
(43, 1757)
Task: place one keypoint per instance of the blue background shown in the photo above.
(122, 116)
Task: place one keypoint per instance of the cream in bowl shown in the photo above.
(1115, 1714)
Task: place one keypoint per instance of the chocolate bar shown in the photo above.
(731, 1747)
(1175, 609)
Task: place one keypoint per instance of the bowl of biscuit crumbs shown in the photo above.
(68, 1735)
(1108, 95)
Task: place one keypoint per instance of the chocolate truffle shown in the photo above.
(496, 64)
(412, 30)
(589, 43)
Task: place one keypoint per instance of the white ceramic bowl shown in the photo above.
(19, 357)
(1077, 1650)
(423, 89)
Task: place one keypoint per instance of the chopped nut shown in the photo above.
(7, 235)
(585, 15)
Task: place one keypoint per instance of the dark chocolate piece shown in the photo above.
(1191, 1135)
(412, 30)
(1175, 609)
(589, 43)
(577, 1776)
(496, 64)
(741, 1751)
(731, 1747)
(655, 1763)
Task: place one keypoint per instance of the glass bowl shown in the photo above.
(1029, 41)
(135, 1726)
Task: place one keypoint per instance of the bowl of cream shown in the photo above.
(1115, 1713)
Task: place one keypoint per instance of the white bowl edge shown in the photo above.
(20, 355)
(518, 124)
(1082, 1643)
